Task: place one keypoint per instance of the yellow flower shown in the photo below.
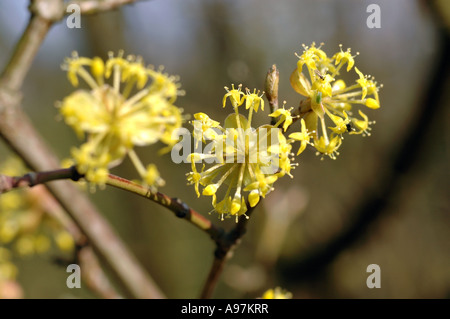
(329, 98)
(245, 159)
(286, 117)
(254, 100)
(368, 86)
(203, 125)
(277, 293)
(136, 109)
(310, 56)
(303, 136)
(64, 241)
(326, 147)
(236, 96)
(342, 123)
(362, 126)
(344, 57)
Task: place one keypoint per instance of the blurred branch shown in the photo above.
(93, 275)
(97, 6)
(17, 130)
(50, 206)
(404, 156)
(17, 68)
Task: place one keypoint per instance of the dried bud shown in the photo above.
(271, 87)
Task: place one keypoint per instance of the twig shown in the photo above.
(97, 6)
(213, 276)
(17, 68)
(181, 209)
(31, 179)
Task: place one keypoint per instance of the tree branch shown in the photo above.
(17, 68)
(181, 209)
(225, 245)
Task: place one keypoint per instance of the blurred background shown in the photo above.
(315, 234)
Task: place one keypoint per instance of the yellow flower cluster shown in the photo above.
(246, 159)
(24, 225)
(136, 109)
(329, 99)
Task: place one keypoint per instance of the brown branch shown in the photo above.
(17, 68)
(213, 276)
(31, 179)
(225, 245)
(17, 130)
(181, 209)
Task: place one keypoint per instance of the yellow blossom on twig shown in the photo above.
(330, 99)
(245, 159)
(136, 109)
